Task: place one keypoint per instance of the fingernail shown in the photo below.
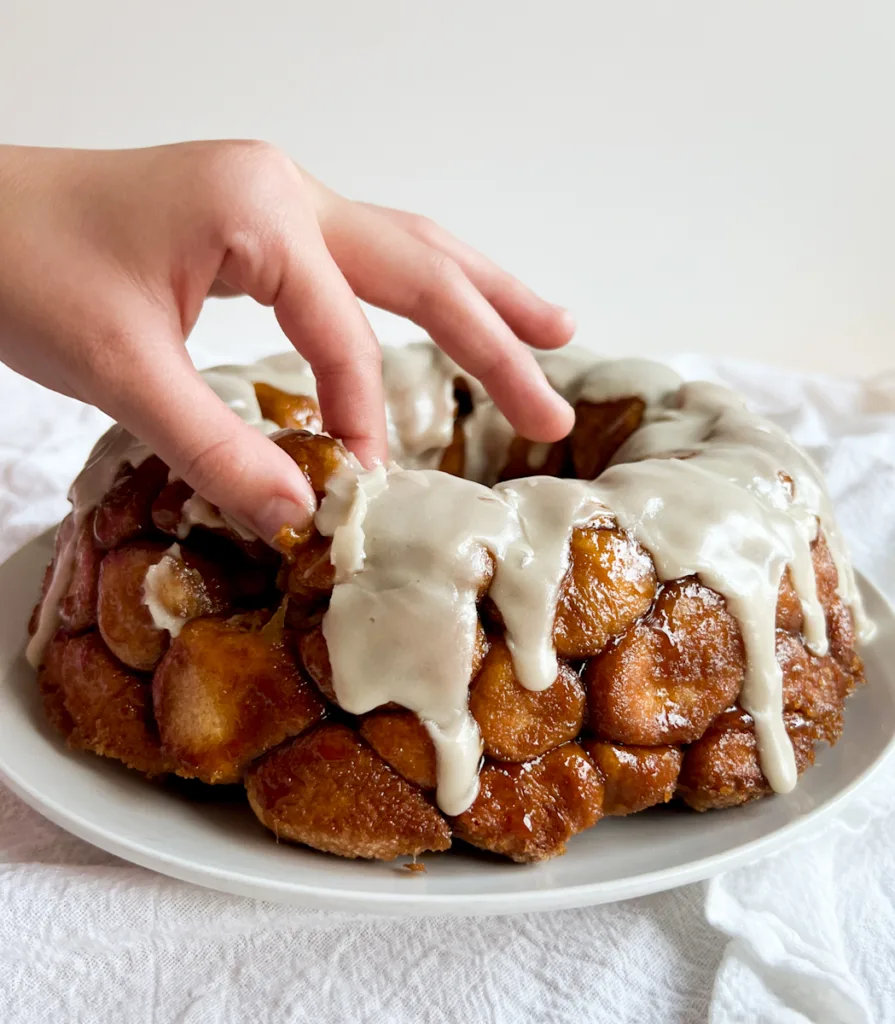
(281, 516)
(567, 320)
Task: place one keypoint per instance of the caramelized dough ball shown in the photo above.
(634, 777)
(100, 705)
(125, 511)
(519, 724)
(840, 625)
(294, 411)
(601, 428)
(519, 460)
(400, 738)
(610, 583)
(329, 790)
(225, 693)
(453, 459)
(669, 675)
(789, 607)
(167, 507)
(815, 687)
(722, 768)
(529, 811)
(309, 571)
(49, 682)
(193, 588)
(316, 455)
(77, 609)
(314, 656)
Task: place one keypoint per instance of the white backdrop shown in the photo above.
(685, 176)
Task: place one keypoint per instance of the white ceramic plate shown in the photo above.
(220, 844)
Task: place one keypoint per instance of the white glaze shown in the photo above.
(407, 543)
(159, 578)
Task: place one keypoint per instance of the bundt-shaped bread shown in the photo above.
(171, 640)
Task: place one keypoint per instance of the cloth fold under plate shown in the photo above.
(805, 936)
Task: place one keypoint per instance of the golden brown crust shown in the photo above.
(634, 777)
(840, 624)
(299, 412)
(528, 812)
(722, 768)
(610, 583)
(399, 738)
(99, 705)
(668, 677)
(814, 687)
(226, 692)
(124, 620)
(331, 791)
(789, 607)
(601, 428)
(49, 682)
(125, 511)
(233, 701)
(519, 724)
(453, 460)
(316, 455)
(309, 571)
(314, 655)
(77, 609)
(519, 460)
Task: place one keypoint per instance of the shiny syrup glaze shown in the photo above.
(706, 487)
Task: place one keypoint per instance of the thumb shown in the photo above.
(169, 406)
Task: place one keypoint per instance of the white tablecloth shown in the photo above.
(808, 935)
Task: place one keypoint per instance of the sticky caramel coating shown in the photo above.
(453, 459)
(634, 777)
(316, 455)
(124, 620)
(815, 687)
(518, 462)
(192, 589)
(401, 740)
(519, 724)
(528, 812)
(314, 655)
(722, 768)
(77, 609)
(309, 572)
(601, 428)
(227, 692)
(789, 607)
(669, 675)
(300, 412)
(49, 682)
(99, 705)
(125, 511)
(840, 624)
(331, 791)
(167, 507)
(610, 583)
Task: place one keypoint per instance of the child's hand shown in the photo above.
(107, 257)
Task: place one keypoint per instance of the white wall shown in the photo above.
(684, 175)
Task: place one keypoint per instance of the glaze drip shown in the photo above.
(706, 487)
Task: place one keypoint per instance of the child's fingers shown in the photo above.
(162, 399)
(280, 259)
(388, 267)
(534, 320)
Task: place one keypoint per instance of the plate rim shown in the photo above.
(317, 896)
